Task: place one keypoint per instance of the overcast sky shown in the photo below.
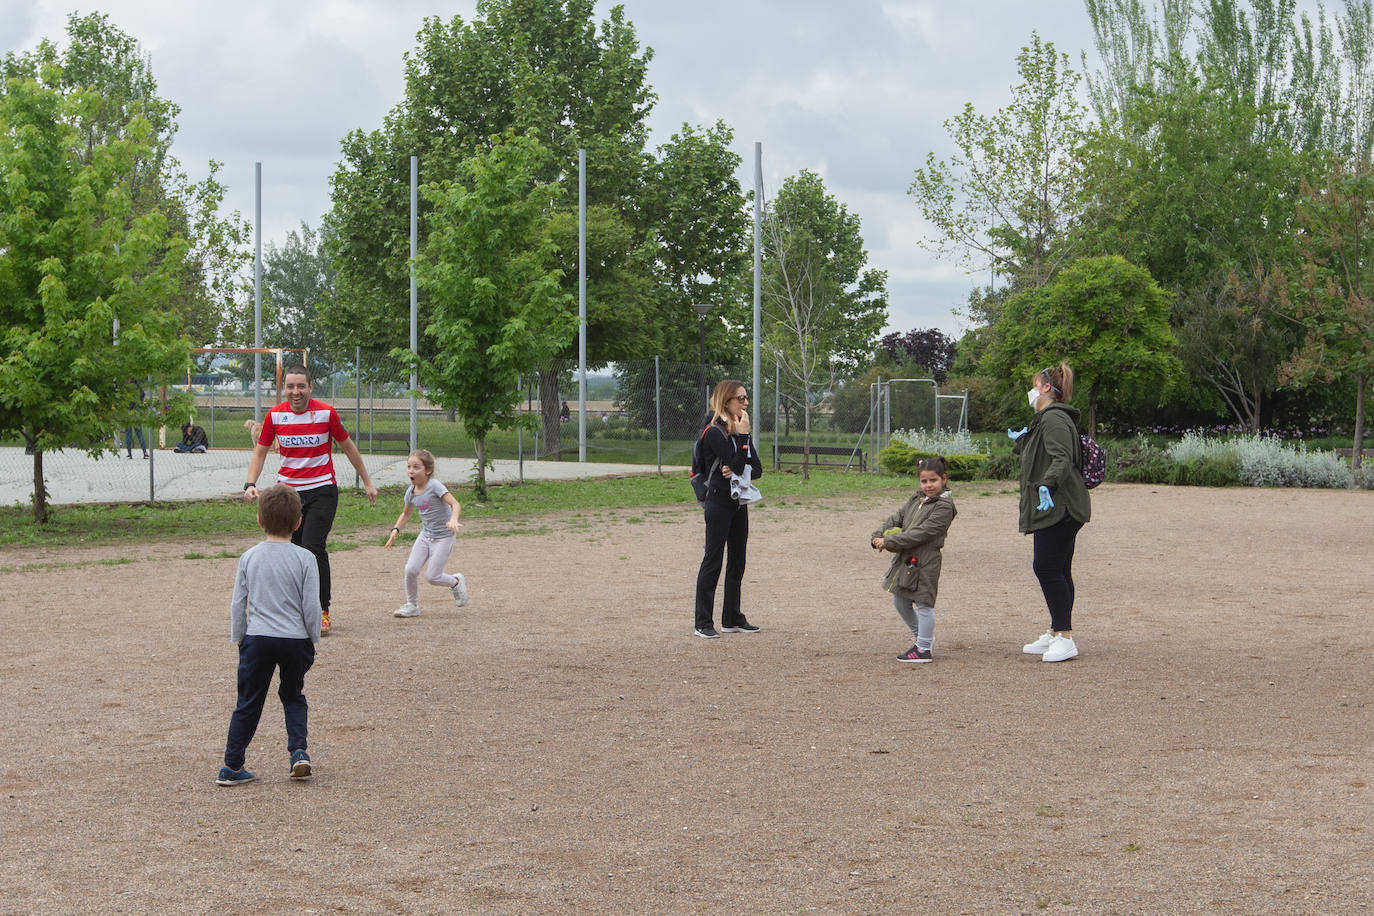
(857, 91)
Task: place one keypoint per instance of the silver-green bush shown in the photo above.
(938, 441)
(1263, 461)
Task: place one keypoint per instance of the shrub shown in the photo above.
(1263, 461)
(937, 441)
(900, 458)
(1209, 471)
(1000, 467)
(1137, 461)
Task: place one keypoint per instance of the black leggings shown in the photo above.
(1053, 565)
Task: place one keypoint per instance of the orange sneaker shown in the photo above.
(324, 623)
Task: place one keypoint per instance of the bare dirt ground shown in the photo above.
(564, 744)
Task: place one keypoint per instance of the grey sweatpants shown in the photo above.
(428, 555)
(919, 619)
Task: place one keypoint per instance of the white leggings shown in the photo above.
(429, 554)
(921, 621)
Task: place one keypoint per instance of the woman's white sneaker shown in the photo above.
(1061, 649)
(406, 610)
(1040, 645)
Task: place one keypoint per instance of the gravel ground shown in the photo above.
(564, 744)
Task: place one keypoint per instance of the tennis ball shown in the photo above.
(891, 531)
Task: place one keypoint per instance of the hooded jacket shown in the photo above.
(1051, 456)
(915, 570)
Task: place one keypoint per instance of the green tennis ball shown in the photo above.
(891, 531)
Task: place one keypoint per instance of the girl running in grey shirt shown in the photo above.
(438, 533)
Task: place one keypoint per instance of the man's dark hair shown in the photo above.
(297, 369)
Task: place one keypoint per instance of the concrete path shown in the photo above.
(74, 477)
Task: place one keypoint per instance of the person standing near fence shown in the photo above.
(726, 441)
(1054, 502)
(305, 431)
(130, 431)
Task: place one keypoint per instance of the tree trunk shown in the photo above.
(549, 406)
(1092, 409)
(40, 492)
(480, 481)
(806, 435)
(1356, 456)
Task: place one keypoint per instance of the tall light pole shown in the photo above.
(701, 308)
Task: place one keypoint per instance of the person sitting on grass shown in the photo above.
(193, 439)
(275, 620)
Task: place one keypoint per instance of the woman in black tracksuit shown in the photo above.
(728, 442)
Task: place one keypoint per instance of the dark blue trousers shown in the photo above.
(259, 656)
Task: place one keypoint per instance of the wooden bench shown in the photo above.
(819, 453)
(367, 442)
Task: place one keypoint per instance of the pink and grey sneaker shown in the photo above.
(916, 655)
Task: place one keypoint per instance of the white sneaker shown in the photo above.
(406, 610)
(1040, 645)
(460, 591)
(1061, 649)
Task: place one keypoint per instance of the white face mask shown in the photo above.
(1033, 395)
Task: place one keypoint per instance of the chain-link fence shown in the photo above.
(641, 412)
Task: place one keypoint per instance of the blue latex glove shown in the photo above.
(1045, 501)
(1014, 434)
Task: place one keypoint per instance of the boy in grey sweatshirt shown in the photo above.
(275, 620)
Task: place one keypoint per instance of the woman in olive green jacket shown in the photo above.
(1054, 502)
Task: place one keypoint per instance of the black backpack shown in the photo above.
(699, 478)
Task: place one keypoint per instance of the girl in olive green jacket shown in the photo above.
(914, 535)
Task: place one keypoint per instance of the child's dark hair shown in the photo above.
(936, 464)
(279, 509)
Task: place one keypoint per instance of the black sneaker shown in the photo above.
(300, 765)
(916, 655)
(743, 626)
(707, 632)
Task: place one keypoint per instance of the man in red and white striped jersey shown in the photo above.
(305, 431)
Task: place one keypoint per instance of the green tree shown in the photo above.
(1333, 296)
(1231, 335)
(99, 56)
(488, 270)
(1103, 315)
(1011, 194)
(297, 277)
(522, 65)
(698, 245)
(1195, 180)
(823, 307)
(76, 256)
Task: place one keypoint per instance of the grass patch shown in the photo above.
(222, 555)
(215, 520)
